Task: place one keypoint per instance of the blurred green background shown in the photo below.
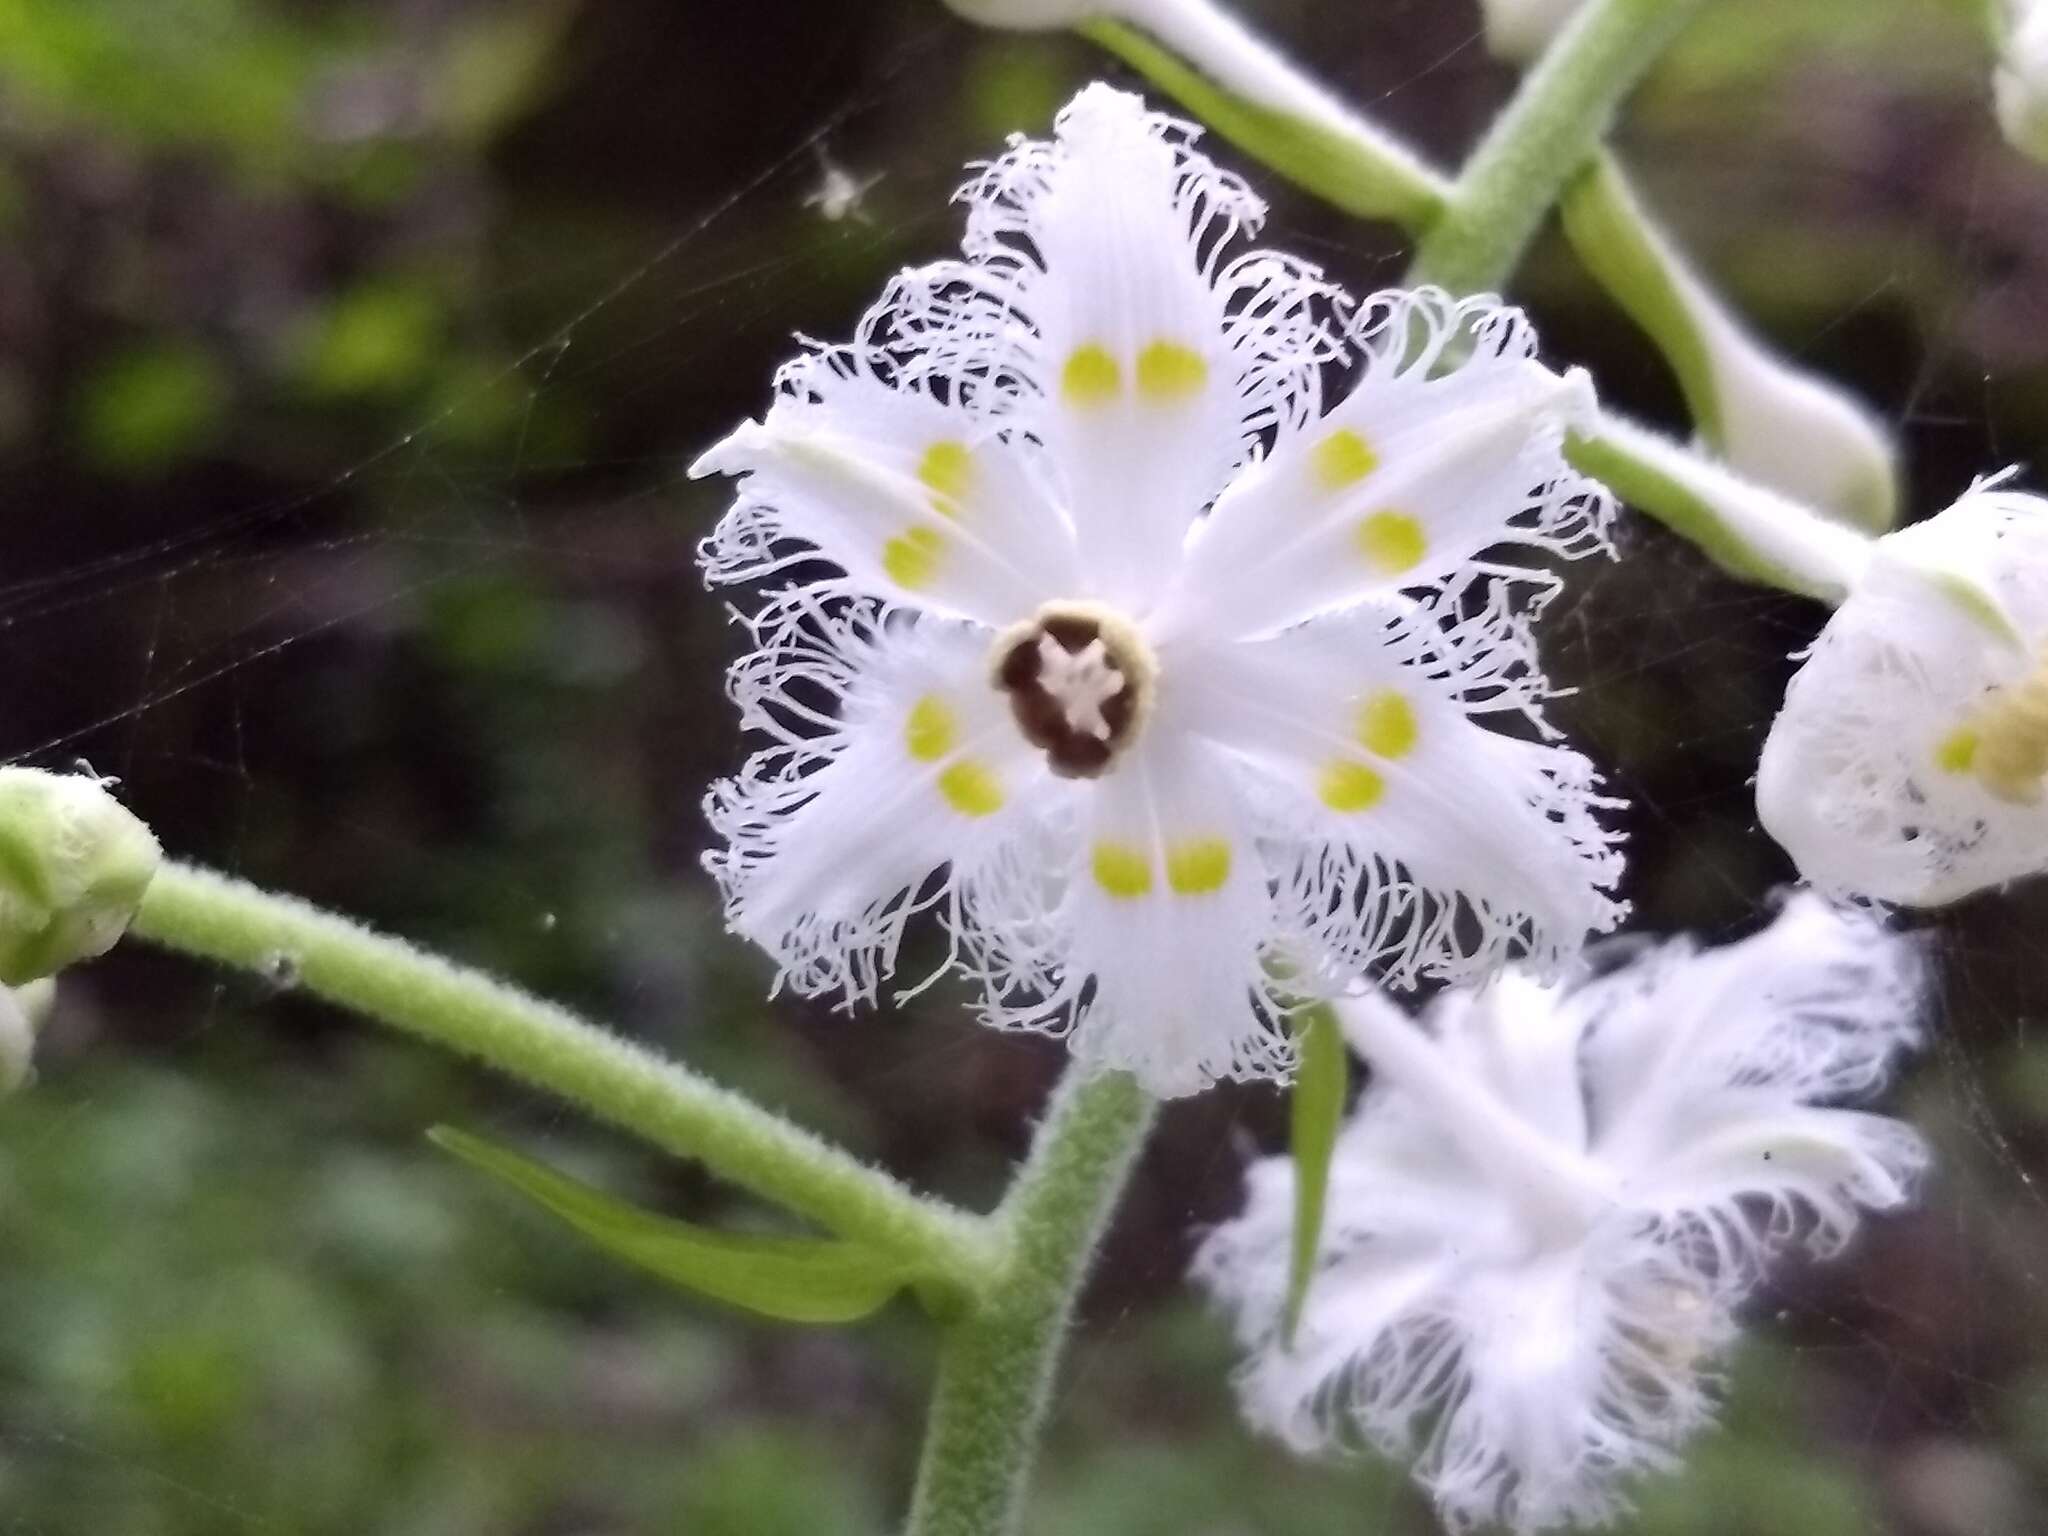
(350, 353)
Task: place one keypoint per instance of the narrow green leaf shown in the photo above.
(1318, 1112)
(793, 1279)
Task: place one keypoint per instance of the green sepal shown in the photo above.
(791, 1279)
(1317, 1114)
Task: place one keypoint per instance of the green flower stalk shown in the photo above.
(1240, 87)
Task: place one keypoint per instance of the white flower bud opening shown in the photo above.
(1909, 759)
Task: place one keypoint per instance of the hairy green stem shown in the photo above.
(1747, 528)
(199, 912)
(997, 1362)
(1558, 118)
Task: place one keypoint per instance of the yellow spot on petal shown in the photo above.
(1392, 542)
(946, 470)
(1091, 376)
(1349, 786)
(1957, 752)
(971, 788)
(912, 557)
(931, 731)
(1343, 458)
(1198, 866)
(1386, 724)
(1169, 371)
(1122, 870)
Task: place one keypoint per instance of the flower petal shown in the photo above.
(1153, 364)
(1816, 1006)
(915, 501)
(837, 829)
(1166, 926)
(1425, 844)
(1405, 481)
(1746, 1172)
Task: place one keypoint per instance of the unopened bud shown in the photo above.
(2020, 86)
(73, 866)
(1518, 30)
(1799, 434)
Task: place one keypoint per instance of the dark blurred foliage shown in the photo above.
(351, 352)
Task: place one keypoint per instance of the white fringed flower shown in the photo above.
(1909, 759)
(1138, 754)
(1551, 1200)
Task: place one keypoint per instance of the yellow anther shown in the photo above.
(1349, 786)
(971, 788)
(946, 470)
(1196, 867)
(2010, 754)
(912, 557)
(1386, 724)
(1340, 459)
(1392, 542)
(1121, 870)
(1957, 751)
(931, 730)
(1170, 371)
(1091, 376)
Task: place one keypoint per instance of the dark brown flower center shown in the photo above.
(1079, 679)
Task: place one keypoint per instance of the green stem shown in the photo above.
(1747, 528)
(996, 1364)
(201, 913)
(1559, 116)
(1238, 86)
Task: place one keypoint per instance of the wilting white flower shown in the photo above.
(1552, 1198)
(1909, 759)
(2020, 84)
(1138, 756)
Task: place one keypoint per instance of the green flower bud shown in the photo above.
(73, 866)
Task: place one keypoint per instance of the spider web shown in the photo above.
(313, 687)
